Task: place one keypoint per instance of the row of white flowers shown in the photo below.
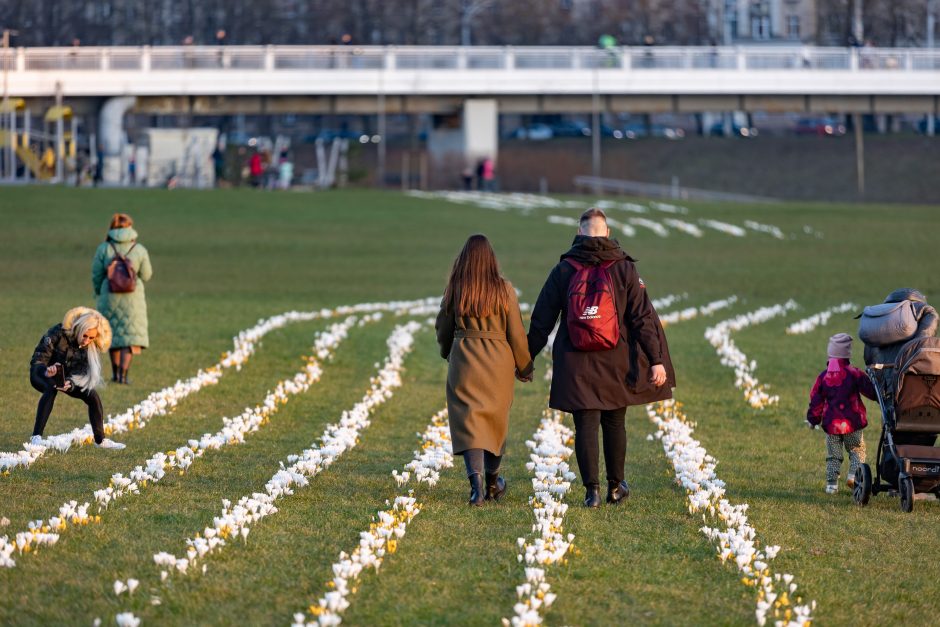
(389, 526)
(235, 520)
(652, 225)
(668, 208)
(690, 313)
(724, 227)
(810, 323)
(685, 227)
(735, 538)
(156, 467)
(550, 449)
(770, 229)
(163, 402)
(719, 336)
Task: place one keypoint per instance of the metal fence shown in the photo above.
(267, 58)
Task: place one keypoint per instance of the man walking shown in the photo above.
(610, 351)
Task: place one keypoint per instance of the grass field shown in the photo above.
(224, 259)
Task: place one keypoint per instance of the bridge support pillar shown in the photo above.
(111, 134)
(480, 130)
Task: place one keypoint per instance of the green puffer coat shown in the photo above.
(127, 313)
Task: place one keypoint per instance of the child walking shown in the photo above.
(836, 403)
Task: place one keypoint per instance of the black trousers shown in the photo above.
(479, 461)
(46, 387)
(612, 423)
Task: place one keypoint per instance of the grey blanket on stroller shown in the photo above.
(913, 310)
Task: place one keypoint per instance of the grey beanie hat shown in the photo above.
(840, 346)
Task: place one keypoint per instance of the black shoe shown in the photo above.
(495, 487)
(617, 491)
(476, 490)
(592, 496)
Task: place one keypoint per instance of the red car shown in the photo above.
(820, 127)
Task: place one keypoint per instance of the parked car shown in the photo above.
(329, 134)
(819, 126)
(534, 132)
(718, 130)
(568, 128)
(922, 126)
(636, 131)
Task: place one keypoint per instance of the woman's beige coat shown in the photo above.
(483, 355)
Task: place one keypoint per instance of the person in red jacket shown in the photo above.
(836, 403)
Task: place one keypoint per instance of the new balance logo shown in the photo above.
(590, 313)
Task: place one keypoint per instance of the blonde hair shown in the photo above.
(76, 323)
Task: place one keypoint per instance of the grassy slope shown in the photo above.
(224, 259)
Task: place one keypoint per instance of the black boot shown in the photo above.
(495, 487)
(592, 496)
(476, 490)
(617, 491)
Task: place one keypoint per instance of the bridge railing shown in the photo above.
(405, 58)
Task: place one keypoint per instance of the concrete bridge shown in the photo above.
(474, 83)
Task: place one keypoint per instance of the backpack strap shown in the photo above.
(577, 265)
(114, 248)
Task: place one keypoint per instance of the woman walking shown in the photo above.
(67, 360)
(480, 333)
(122, 300)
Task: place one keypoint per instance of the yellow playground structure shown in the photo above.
(46, 154)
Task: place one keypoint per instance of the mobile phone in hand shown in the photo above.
(59, 377)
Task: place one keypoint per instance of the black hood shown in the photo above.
(594, 250)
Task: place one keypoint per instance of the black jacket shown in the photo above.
(608, 379)
(57, 347)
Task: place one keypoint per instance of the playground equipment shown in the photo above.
(45, 155)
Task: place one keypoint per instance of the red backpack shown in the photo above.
(593, 322)
(121, 276)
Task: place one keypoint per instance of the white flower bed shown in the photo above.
(563, 220)
(666, 207)
(719, 336)
(383, 535)
(691, 313)
(652, 225)
(724, 227)
(770, 229)
(156, 467)
(550, 449)
(734, 537)
(808, 324)
(626, 229)
(235, 520)
(164, 401)
(685, 227)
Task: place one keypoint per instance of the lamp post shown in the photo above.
(11, 146)
(931, 25)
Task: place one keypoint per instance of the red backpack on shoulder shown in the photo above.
(593, 322)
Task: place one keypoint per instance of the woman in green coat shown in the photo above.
(127, 311)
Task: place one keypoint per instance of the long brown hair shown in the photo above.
(475, 287)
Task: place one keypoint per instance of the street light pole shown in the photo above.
(931, 25)
(11, 145)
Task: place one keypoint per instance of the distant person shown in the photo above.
(125, 310)
(609, 353)
(489, 175)
(99, 167)
(67, 360)
(479, 173)
(467, 175)
(480, 334)
(218, 164)
(285, 172)
(836, 403)
(255, 169)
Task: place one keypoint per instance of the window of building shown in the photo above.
(793, 26)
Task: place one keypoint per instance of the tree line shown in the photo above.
(426, 22)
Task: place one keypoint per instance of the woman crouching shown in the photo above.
(67, 359)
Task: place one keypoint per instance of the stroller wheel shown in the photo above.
(906, 486)
(862, 491)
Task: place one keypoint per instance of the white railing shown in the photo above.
(405, 58)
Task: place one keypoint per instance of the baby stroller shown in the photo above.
(905, 376)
